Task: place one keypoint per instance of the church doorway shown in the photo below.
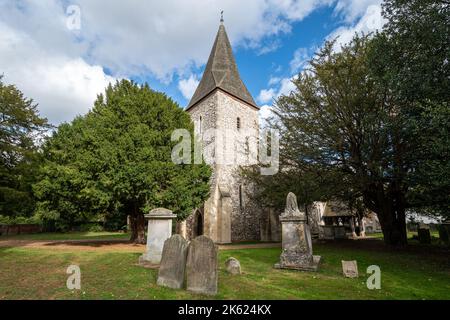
(198, 222)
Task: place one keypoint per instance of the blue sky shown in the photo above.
(258, 68)
(62, 53)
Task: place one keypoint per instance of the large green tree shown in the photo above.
(116, 160)
(411, 57)
(20, 130)
(372, 121)
(341, 123)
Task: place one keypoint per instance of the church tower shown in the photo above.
(226, 118)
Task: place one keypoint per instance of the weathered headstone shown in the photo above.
(296, 239)
(350, 269)
(444, 232)
(202, 266)
(327, 232)
(314, 220)
(339, 232)
(423, 234)
(159, 230)
(173, 262)
(233, 266)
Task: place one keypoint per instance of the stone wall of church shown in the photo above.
(234, 147)
(204, 116)
(245, 214)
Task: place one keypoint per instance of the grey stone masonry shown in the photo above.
(226, 121)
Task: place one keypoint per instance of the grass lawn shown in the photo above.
(40, 274)
(410, 235)
(70, 236)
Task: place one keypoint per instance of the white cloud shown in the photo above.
(266, 95)
(63, 86)
(297, 10)
(371, 21)
(161, 37)
(274, 81)
(301, 57)
(188, 86)
(352, 10)
(265, 112)
(359, 15)
(287, 86)
(171, 36)
(63, 69)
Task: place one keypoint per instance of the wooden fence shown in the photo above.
(8, 230)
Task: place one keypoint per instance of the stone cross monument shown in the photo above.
(296, 239)
(159, 230)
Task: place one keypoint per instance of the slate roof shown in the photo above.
(221, 72)
(336, 209)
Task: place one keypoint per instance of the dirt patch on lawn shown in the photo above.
(76, 245)
(108, 245)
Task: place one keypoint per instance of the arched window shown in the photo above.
(199, 225)
(238, 123)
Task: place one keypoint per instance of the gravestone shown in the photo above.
(339, 232)
(202, 266)
(233, 266)
(297, 251)
(159, 230)
(350, 269)
(423, 234)
(173, 262)
(314, 220)
(444, 232)
(327, 232)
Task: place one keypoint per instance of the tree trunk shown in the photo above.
(393, 225)
(362, 227)
(137, 222)
(389, 205)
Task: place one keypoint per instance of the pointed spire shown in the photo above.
(221, 72)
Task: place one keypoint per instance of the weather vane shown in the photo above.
(221, 16)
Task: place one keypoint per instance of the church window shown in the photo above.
(238, 123)
(200, 125)
(247, 148)
(241, 198)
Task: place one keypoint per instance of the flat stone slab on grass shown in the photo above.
(350, 269)
(173, 262)
(312, 267)
(147, 265)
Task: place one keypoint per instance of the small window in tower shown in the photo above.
(241, 198)
(200, 125)
(238, 123)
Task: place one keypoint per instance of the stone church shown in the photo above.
(223, 104)
(225, 117)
